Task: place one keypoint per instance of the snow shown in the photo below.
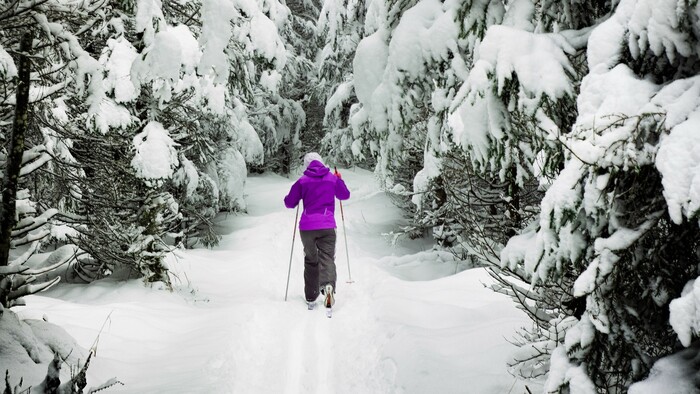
(605, 94)
(475, 125)
(28, 342)
(562, 197)
(246, 138)
(605, 43)
(215, 35)
(684, 313)
(647, 25)
(604, 261)
(270, 80)
(539, 61)
(656, 26)
(676, 374)
(562, 371)
(232, 174)
(111, 115)
(520, 15)
(146, 12)
(386, 62)
(412, 322)
(62, 232)
(581, 334)
(421, 181)
(8, 70)
(187, 176)
(266, 40)
(59, 111)
(341, 95)
(188, 47)
(678, 161)
(369, 64)
(155, 155)
(118, 66)
(424, 35)
(168, 61)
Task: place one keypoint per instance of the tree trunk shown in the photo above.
(15, 150)
(513, 206)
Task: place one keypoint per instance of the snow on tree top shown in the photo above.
(155, 157)
(7, 66)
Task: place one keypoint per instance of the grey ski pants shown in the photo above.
(319, 260)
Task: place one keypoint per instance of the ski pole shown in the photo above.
(289, 272)
(345, 235)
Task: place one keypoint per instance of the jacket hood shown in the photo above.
(316, 169)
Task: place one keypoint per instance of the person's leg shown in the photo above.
(326, 256)
(311, 268)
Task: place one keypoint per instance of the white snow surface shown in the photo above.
(412, 321)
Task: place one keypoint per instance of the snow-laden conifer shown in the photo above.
(612, 238)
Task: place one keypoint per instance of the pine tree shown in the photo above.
(32, 219)
(608, 239)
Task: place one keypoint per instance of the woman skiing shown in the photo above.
(318, 188)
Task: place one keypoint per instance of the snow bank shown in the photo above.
(27, 347)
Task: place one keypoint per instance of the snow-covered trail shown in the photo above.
(303, 351)
(227, 328)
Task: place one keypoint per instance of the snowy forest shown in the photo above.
(550, 142)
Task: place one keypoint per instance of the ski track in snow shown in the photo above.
(309, 363)
(296, 362)
(325, 358)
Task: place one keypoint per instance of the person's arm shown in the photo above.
(291, 200)
(341, 191)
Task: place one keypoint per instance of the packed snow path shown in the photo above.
(408, 324)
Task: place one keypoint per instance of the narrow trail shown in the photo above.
(295, 350)
(387, 335)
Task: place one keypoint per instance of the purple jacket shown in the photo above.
(319, 188)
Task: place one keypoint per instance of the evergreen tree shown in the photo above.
(31, 220)
(608, 239)
(149, 122)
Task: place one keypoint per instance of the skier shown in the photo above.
(318, 188)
